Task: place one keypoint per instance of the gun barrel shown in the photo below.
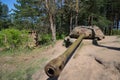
(55, 66)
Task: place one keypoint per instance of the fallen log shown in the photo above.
(55, 66)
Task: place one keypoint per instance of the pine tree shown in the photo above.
(27, 12)
(4, 21)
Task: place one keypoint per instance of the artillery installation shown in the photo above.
(55, 66)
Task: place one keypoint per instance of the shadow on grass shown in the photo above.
(108, 47)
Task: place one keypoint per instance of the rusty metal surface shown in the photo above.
(55, 66)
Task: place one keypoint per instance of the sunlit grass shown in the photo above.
(21, 64)
(22, 71)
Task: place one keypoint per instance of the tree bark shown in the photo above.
(71, 17)
(53, 27)
(90, 20)
(117, 20)
(52, 20)
(76, 20)
(77, 9)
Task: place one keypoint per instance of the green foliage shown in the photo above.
(33, 14)
(28, 12)
(45, 39)
(3, 10)
(60, 36)
(115, 32)
(102, 22)
(13, 38)
(4, 20)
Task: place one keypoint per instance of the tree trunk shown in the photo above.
(117, 23)
(71, 22)
(77, 8)
(76, 20)
(52, 20)
(90, 20)
(53, 27)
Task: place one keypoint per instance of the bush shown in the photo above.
(45, 39)
(13, 38)
(60, 36)
(115, 32)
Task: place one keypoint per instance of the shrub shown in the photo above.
(45, 39)
(13, 38)
(115, 32)
(60, 36)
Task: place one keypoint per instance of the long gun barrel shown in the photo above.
(55, 66)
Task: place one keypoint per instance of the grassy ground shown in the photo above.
(20, 64)
(23, 63)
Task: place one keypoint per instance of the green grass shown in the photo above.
(21, 74)
(23, 71)
(14, 52)
(16, 68)
(19, 51)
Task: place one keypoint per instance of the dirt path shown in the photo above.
(91, 62)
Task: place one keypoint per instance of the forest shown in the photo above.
(55, 19)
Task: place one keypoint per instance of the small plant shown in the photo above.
(13, 38)
(45, 39)
(61, 36)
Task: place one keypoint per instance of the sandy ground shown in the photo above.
(90, 62)
(50, 54)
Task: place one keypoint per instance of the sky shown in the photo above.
(9, 3)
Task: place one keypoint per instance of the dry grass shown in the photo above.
(20, 65)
